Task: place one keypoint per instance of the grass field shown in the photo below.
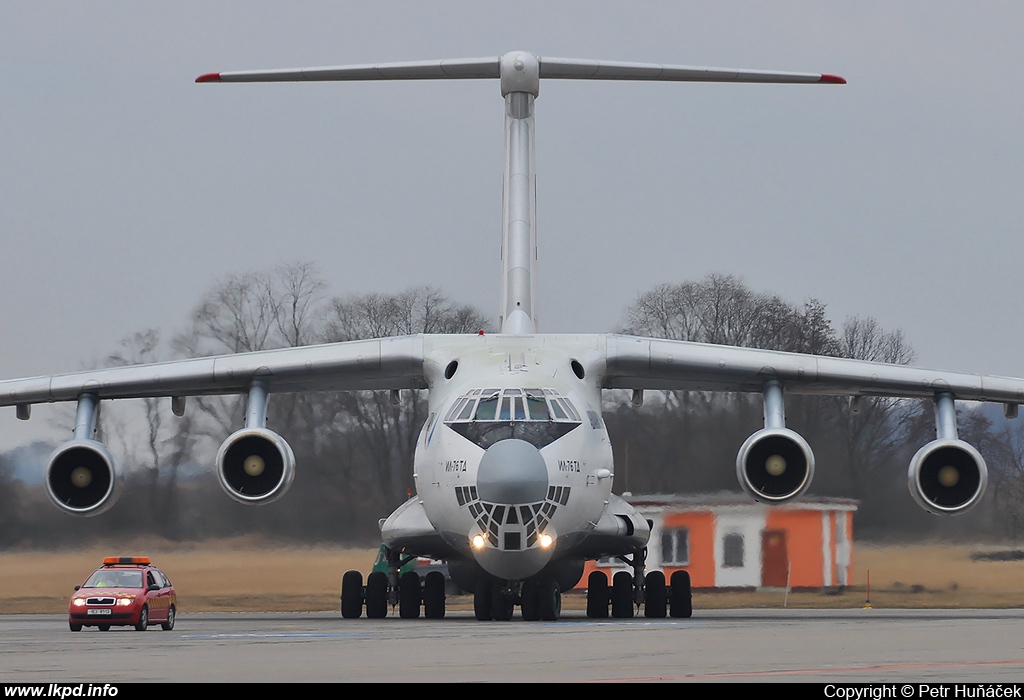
(245, 575)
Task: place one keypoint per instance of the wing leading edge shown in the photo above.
(386, 363)
(651, 363)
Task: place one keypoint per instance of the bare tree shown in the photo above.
(1008, 480)
(378, 437)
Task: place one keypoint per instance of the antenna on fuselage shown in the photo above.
(520, 73)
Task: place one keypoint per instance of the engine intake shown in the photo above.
(255, 466)
(775, 465)
(82, 478)
(947, 477)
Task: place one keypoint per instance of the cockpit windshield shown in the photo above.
(539, 416)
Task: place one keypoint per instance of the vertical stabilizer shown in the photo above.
(520, 85)
(520, 73)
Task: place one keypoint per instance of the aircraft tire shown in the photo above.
(409, 595)
(680, 595)
(377, 595)
(622, 595)
(549, 600)
(529, 600)
(502, 605)
(351, 595)
(433, 595)
(597, 595)
(655, 595)
(482, 600)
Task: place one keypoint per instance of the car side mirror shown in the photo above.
(154, 587)
(77, 587)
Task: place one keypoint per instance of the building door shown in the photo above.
(774, 559)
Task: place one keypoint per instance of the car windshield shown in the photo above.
(114, 578)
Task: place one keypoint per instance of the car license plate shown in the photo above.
(99, 611)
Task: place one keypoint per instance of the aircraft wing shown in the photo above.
(387, 363)
(651, 363)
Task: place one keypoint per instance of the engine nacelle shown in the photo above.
(255, 466)
(82, 478)
(947, 477)
(775, 465)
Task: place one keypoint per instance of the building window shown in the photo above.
(732, 550)
(675, 546)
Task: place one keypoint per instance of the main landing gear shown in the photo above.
(628, 592)
(387, 590)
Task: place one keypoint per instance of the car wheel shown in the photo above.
(169, 625)
(143, 622)
(74, 627)
(104, 628)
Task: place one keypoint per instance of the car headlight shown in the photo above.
(78, 602)
(125, 601)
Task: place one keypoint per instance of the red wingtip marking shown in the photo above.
(834, 79)
(209, 78)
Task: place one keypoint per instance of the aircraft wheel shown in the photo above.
(482, 599)
(680, 596)
(655, 595)
(549, 600)
(377, 595)
(529, 599)
(352, 594)
(502, 604)
(433, 595)
(409, 595)
(597, 595)
(622, 595)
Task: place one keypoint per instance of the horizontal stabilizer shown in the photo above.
(555, 68)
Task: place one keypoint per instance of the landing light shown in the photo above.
(546, 541)
(478, 541)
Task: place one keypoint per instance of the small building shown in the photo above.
(727, 540)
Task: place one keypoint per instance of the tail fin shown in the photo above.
(520, 73)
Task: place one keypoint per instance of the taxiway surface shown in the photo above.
(844, 646)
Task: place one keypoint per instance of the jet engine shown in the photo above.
(775, 465)
(83, 478)
(255, 466)
(947, 477)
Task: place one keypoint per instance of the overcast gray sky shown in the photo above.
(126, 190)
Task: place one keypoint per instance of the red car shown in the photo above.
(124, 591)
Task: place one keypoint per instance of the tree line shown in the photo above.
(354, 450)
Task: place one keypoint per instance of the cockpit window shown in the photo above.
(539, 416)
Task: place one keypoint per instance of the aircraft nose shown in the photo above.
(511, 472)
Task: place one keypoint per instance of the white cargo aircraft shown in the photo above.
(513, 467)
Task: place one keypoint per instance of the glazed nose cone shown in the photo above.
(510, 472)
